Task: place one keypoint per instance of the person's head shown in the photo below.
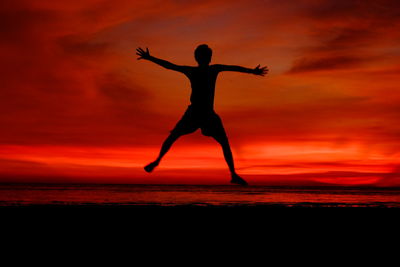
(203, 54)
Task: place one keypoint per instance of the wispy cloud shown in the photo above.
(70, 77)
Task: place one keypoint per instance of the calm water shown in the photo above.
(177, 195)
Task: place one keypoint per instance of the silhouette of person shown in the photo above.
(200, 114)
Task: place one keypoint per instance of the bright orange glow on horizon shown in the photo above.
(76, 105)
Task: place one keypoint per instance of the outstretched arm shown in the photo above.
(163, 63)
(257, 70)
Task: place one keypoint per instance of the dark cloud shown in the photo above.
(328, 63)
(348, 34)
(383, 12)
(343, 39)
(82, 46)
(60, 82)
(19, 24)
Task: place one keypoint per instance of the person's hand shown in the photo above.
(143, 54)
(260, 71)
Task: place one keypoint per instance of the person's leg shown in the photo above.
(223, 141)
(215, 129)
(164, 149)
(185, 125)
(226, 149)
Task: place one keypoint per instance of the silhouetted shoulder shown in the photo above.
(187, 70)
(183, 69)
(217, 67)
(221, 67)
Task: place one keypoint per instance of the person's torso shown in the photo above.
(202, 80)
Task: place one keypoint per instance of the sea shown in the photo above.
(128, 195)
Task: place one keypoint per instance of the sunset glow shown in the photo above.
(76, 106)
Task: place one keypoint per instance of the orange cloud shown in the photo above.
(70, 80)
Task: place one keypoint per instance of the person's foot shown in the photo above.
(236, 179)
(150, 167)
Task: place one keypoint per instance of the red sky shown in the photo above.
(76, 105)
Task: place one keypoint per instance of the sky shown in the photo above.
(77, 106)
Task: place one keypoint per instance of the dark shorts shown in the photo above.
(208, 121)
